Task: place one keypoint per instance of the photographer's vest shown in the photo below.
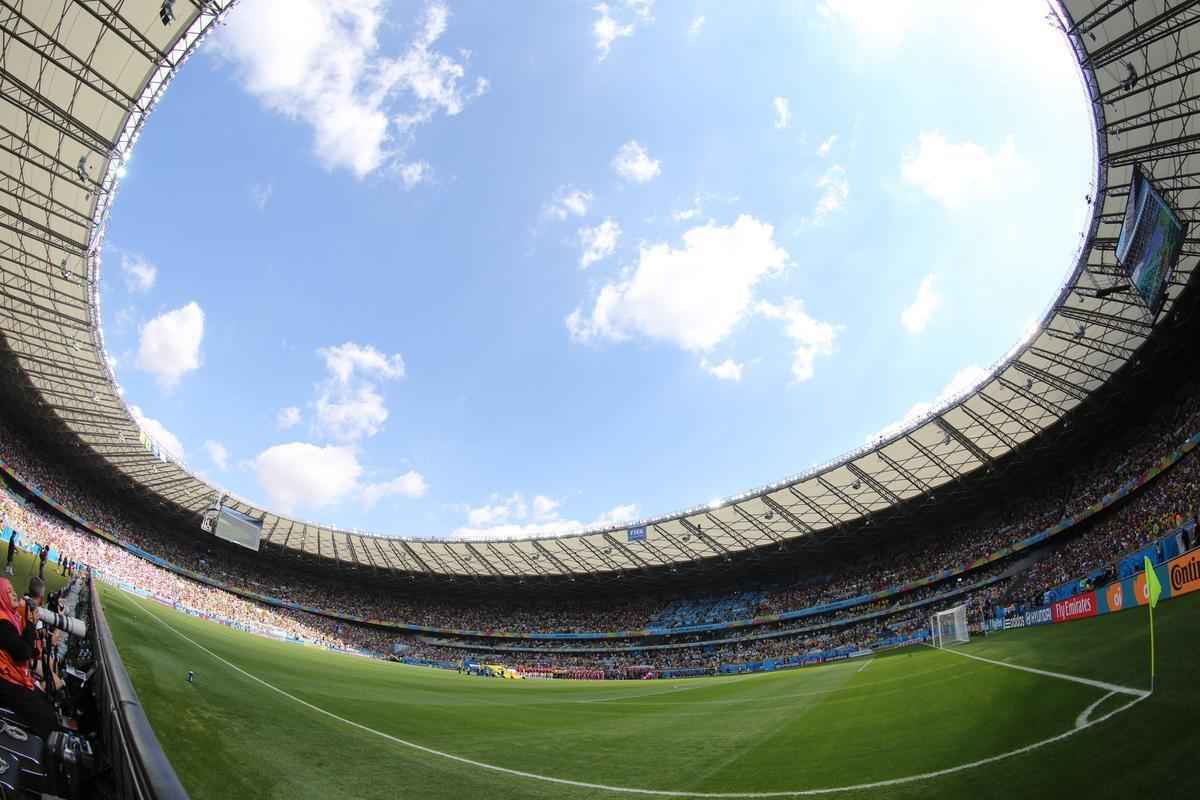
(12, 672)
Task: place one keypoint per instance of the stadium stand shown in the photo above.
(872, 599)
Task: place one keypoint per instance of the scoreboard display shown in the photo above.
(1150, 241)
(233, 526)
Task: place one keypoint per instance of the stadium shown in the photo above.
(963, 606)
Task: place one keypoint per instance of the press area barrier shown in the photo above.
(136, 767)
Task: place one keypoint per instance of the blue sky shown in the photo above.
(475, 268)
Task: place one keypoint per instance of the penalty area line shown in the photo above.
(628, 789)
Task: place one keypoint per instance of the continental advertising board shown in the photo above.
(1184, 573)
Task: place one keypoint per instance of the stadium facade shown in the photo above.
(80, 77)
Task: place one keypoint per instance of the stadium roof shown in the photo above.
(79, 77)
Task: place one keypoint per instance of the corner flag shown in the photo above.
(1153, 587)
(1153, 592)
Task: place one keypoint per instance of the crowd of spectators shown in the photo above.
(1162, 505)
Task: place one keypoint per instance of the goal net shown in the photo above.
(948, 627)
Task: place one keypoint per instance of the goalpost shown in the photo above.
(948, 627)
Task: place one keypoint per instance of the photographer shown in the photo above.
(17, 650)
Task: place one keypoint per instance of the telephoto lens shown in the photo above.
(75, 627)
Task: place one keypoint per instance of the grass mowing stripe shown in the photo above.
(657, 792)
(1110, 687)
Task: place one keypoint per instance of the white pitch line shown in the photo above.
(866, 664)
(647, 792)
(1081, 720)
(1108, 687)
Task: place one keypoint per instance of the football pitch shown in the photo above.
(278, 720)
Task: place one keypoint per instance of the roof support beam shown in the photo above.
(742, 541)
(542, 549)
(698, 532)
(765, 530)
(933, 457)
(816, 507)
(800, 525)
(1026, 423)
(918, 484)
(966, 442)
(861, 474)
(858, 507)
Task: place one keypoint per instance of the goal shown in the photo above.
(949, 627)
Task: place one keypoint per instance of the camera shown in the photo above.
(55, 619)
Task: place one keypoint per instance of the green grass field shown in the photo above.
(25, 566)
(350, 727)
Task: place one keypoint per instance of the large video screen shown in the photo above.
(238, 528)
(1150, 241)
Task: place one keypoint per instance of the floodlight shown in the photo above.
(1028, 384)
(1080, 331)
(769, 515)
(66, 273)
(946, 439)
(166, 12)
(856, 485)
(1131, 77)
(81, 167)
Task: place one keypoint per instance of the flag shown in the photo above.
(1153, 587)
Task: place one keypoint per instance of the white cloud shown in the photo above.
(693, 211)
(964, 380)
(1021, 36)
(218, 453)
(692, 296)
(956, 173)
(169, 344)
(344, 360)
(617, 515)
(568, 202)
(287, 418)
(812, 337)
(499, 510)
(411, 484)
(619, 22)
(319, 61)
(260, 195)
(606, 30)
(783, 112)
(159, 433)
(507, 518)
(835, 190)
(928, 300)
(696, 27)
(727, 370)
(140, 274)
(349, 403)
(348, 414)
(414, 173)
(824, 147)
(301, 475)
(633, 163)
(878, 25)
(545, 506)
(598, 243)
